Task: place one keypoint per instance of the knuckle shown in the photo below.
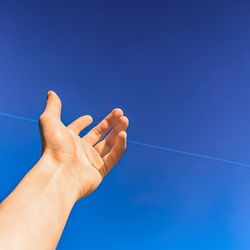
(97, 132)
(42, 117)
(108, 144)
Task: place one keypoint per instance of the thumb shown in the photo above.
(53, 105)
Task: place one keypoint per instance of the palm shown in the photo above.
(91, 157)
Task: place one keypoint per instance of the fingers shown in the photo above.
(53, 105)
(116, 152)
(105, 145)
(80, 123)
(99, 131)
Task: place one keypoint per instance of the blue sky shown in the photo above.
(180, 72)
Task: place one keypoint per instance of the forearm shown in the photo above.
(34, 214)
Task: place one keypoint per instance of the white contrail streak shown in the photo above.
(171, 150)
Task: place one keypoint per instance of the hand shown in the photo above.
(86, 159)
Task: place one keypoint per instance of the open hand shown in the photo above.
(89, 158)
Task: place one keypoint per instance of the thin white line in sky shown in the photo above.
(171, 150)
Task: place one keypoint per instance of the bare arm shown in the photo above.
(34, 214)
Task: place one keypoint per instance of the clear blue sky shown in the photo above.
(180, 71)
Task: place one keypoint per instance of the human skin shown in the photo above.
(71, 167)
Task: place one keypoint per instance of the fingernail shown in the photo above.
(48, 94)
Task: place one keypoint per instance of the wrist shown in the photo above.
(58, 177)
